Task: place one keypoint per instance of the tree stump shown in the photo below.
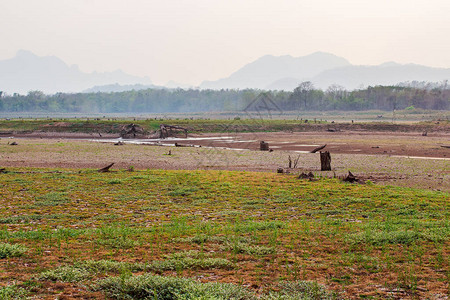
(325, 161)
(263, 146)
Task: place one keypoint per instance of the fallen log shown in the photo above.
(318, 148)
(105, 169)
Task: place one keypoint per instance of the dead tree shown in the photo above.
(105, 169)
(325, 161)
(131, 130)
(166, 131)
(318, 148)
(296, 161)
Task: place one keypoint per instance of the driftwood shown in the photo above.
(445, 146)
(182, 145)
(263, 146)
(166, 131)
(325, 161)
(318, 148)
(105, 169)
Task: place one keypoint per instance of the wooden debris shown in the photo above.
(280, 170)
(3, 170)
(131, 131)
(289, 162)
(325, 161)
(263, 146)
(119, 143)
(445, 146)
(13, 144)
(105, 169)
(166, 131)
(318, 148)
(350, 178)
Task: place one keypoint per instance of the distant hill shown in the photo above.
(27, 71)
(352, 77)
(268, 69)
(115, 88)
(323, 70)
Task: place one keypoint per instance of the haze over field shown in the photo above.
(189, 42)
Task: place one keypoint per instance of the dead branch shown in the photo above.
(296, 161)
(318, 148)
(105, 169)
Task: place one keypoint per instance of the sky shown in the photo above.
(189, 41)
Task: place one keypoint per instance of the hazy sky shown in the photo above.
(193, 40)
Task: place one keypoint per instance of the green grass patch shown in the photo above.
(8, 250)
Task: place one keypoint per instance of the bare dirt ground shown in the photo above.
(394, 158)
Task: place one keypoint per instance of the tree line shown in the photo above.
(303, 98)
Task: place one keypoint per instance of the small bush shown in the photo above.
(8, 250)
(12, 292)
(66, 274)
(305, 290)
(158, 287)
(379, 238)
(184, 263)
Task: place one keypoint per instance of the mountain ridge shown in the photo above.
(27, 71)
(333, 70)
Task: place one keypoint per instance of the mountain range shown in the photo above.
(27, 71)
(322, 69)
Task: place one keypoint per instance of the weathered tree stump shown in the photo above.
(263, 146)
(325, 161)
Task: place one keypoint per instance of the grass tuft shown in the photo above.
(8, 250)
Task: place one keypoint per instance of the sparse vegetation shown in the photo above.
(183, 234)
